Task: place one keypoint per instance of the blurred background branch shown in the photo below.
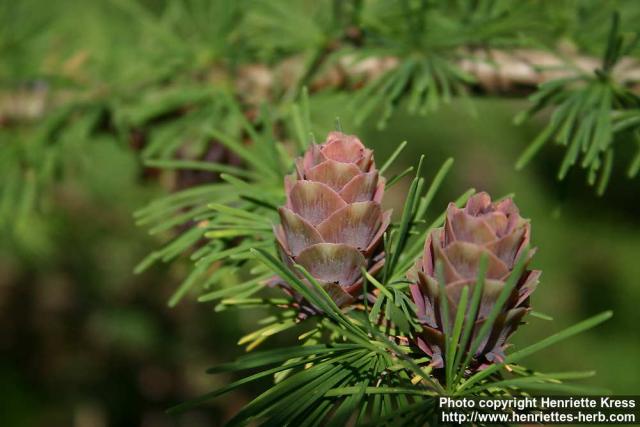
(495, 72)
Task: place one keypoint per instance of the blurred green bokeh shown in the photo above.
(84, 342)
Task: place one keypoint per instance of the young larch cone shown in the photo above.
(332, 223)
(482, 228)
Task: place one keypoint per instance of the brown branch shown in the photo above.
(509, 73)
(515, 72)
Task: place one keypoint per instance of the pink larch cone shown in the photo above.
(332, 223)
(482, 227)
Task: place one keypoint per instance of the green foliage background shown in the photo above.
(85, 342)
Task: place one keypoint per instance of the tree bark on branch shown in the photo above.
(506, 73)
